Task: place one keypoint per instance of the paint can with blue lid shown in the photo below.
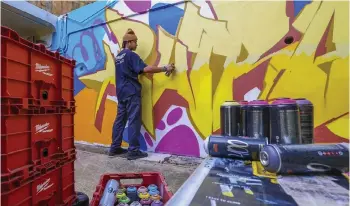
(305, 158)
(244, 148)
(131, 192)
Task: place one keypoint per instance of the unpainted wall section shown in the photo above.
(59, 7)
(223, 50)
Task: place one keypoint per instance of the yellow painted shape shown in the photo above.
(201, 81)
(258, 170)
(341, 23)
(303, 79)
(166, 43)
(316, 29)
(340, 127)
(145, 35)
(193, 25)
(228, 194)
(147, 105)
(338, 86)
(304, 18)
(248, 191)
(178, 80)
(180, 76)
(257, 34)
(84, 119)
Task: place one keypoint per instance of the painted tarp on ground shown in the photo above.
(223, 50)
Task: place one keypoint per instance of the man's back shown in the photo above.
(128, 66)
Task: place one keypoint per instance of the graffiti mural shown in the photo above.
(223, 50)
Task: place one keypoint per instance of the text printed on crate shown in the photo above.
(45, 69)
(43, 186)
(42, 128)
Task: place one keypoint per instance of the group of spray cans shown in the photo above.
(114, 194)
(280, 135)
(284, 121)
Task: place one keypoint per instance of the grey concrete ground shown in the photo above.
(89, 167)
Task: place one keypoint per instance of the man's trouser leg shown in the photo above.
(118, 126)
(134, 122)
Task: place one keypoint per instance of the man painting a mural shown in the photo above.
(128, 66)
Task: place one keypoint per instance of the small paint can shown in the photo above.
(284, 122)
(144, 195)
(306, 113)
(142, 189)
(157, 203)
(153, 192)
(152, 187)
(230, 117)
(146, 202)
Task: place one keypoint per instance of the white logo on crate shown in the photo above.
(45, 69)
(43, 186)
(43, 128)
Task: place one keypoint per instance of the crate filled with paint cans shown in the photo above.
(131, 189)
(279, 134)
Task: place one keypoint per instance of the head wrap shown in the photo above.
(129, 35)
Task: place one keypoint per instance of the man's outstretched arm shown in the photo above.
(156, 69)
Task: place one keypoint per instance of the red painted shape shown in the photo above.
(247, 82)
(217, 132)
(168, 98)
(322, 47)
(110, 90)
(323, 135)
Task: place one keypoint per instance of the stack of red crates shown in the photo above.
(37, 124)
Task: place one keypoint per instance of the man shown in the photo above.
(128, 66)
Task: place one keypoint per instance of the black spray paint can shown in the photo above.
(306, 114)
(234, 147)
(284, 122)
(258, 119)
(305, 158)
(243, 122)
(230, 115)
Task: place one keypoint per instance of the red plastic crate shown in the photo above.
(31, 71)
(147, 179)
(30, 172)
(54, 188)
(34, 140)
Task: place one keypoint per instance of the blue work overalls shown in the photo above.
(128, 66)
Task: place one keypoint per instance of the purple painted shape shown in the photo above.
(302, 101)
(148, 139)
(180, 140)
(161, 125)
(139, 6)
(284, 101)
(258, 102)
(174, 116)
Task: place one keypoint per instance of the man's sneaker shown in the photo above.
(117, 152)
(136, 155)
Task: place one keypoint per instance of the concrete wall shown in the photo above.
(223, 50)
(59, 7)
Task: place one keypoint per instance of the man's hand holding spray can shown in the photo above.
(169, 69)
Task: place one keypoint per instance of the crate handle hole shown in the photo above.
(45, 95)
(45, 152)
(131, 181)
